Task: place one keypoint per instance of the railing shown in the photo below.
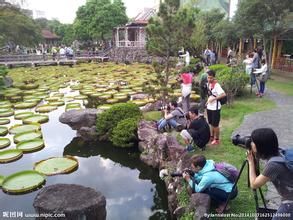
(130, 43)
(284, 64)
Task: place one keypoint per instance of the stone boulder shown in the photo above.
(200, 203)
(74, 201)
(83, 120)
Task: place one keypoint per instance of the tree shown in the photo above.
(97, 18)
(17, 28)
(163, 41)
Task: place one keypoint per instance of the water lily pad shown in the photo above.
(24, 105)
(19, 128)
(4, 142)
(3, 131)
(1, 180)
(57, 103)
(104, 107)
(23, 181)
(6, 113)
(4, 121)
(10, 155)
(80, 97)
(27, 136)
(29, 86)
(56, 165)
(21, 115)
(36, 119)
(46, 108)
(29, 146)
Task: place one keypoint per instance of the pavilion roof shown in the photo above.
(143, 17)
(49, 35)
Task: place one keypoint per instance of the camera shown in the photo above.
(167, 107)
(244, 142)
(179, 174)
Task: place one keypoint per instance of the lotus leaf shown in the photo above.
(56, 165)
(46, 108)
(19, 128)
(3, 131)
(27, 136)
(4, 121)
(23, 181)
(21, 115)
(35, 119)
(32, 145)
(4, 142)
(10, 155)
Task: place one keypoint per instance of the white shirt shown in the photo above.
(216, 91)
(262, 70)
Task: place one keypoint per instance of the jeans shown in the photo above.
(163, 122)
(186, 103)
(218, 195)
(284, 209)
(252, 78)
(261, 87)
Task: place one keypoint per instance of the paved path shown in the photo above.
(280, 119)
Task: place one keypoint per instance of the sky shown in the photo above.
(64, 10)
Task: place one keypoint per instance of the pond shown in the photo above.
(132, 189)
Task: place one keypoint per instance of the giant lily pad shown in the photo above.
(46, 108)
(1, 180)
(16, 129)
(6, 113)
(23, 181)
(4, 121)
(3, 131)
(24, 105)
(10, 155)
(22, 115)
(31, 145)
(36, 119)
(27, 136)
(56, 165)
(4, 142)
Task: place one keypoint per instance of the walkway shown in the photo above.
(280, 120)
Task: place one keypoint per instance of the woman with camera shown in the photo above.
(264, 145)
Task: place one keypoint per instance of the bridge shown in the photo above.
(48, 59)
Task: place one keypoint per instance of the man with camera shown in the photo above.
(215, 93)
(198, 131)
(207, 179)
(173, 117)
(263, 144)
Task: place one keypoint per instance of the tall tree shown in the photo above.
(97, 18)
(17, 28)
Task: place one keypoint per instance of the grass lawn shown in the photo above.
(281, 82)
(231, 118)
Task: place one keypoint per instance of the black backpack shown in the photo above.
(223, 100)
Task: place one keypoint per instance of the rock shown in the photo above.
(139, 96)
(8, 82)
(200, 203)
(175, 150)
(75, 201)
(77, 119)
(87, 133)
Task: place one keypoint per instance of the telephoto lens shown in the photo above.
(244, 142)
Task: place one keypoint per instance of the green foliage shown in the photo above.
(109, 119)
(3, 73)
(125, 133)
(97, 18)
(218, 67)
(17, 28)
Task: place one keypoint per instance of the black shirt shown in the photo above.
(199, 131)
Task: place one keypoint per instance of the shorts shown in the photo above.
(214, 117)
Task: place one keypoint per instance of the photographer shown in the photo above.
(198, 131)
(207, 180)
(264, 145)
(175, 119)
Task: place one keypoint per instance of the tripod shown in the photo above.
(258, 209)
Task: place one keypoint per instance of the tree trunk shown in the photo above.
(274, 55)
(240, 48)
(270, 57)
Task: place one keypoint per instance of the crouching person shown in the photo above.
(208, 180)
(198, 131)
(174, 117)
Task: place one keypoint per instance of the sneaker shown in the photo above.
(215, 142)
(211, 138)
(189, 148)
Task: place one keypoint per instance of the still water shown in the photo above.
(132, 189)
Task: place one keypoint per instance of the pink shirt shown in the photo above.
(186, 78)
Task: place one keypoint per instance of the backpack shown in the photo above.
(286, 157)
(227, 170)
(223, 100)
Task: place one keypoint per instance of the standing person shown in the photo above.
(186, 85)
(261, 76)
(215, 93)
(187, 58)
(203, 81)
(230, 55)
(264, 145)
(198, 131)
(207, 56)
(255, 65)
(248, 64)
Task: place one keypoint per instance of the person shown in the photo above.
(230, 55)
(248, 64)
(175, 118)
(62, 52)
(207, 56)
(54, 52)
(207, 180)
(264, 145)
(186, 85)
(198, 131)
(215, 93)
(187, 58)
(261, 76)
(255, 65)
(203, 81)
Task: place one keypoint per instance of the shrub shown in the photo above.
(109, 119)
(3, 73)
(125, 133)
(219, 67)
